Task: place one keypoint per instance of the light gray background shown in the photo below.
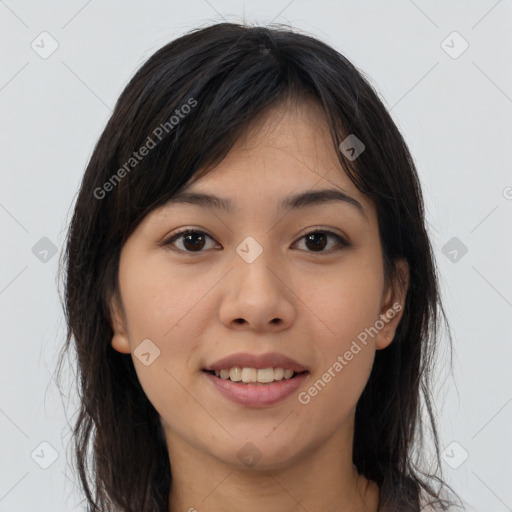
(455, 114)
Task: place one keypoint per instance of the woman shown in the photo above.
(250, 288)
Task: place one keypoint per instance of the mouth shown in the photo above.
(256, 380)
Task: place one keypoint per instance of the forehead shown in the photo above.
(287, 157)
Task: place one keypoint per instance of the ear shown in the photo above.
(392, 305)
(120, 340)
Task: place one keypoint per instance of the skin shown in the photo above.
(190, 306)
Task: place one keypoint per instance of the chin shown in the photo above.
(260, 453)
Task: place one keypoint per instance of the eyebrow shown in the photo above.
(301, 200)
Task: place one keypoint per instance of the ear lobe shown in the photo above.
(120, 340)
(393, 306)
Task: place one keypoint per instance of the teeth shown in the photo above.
(251, 375)
(265, 375)
(235, 374)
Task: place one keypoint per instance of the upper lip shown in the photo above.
(246, 360)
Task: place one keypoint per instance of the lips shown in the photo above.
(246, 360)
(257, 395)
(287, 377)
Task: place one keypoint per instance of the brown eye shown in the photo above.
(316, 241)
(191, 240)
(194, 241)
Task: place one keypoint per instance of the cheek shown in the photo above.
(333, 390)
(164, 307)
(163, 302)
(348, 306)
(345, 301)
(178, 337)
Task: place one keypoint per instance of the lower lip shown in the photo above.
(257, 395)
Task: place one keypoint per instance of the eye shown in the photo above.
(317, 240)
(192, 240)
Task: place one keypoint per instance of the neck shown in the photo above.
(316, 481)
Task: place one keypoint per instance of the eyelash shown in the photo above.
(341, 242)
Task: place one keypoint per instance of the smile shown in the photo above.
(257, 394)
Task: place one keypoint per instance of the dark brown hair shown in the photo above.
(234, 73)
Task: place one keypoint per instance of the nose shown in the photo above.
(257, 296)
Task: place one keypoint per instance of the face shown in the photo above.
(266, 284)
